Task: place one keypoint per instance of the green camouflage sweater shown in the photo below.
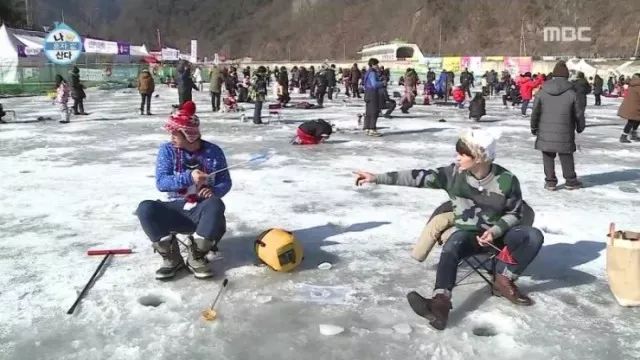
(493, 203)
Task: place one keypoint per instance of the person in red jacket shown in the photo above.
(458, 96)
(527, 85)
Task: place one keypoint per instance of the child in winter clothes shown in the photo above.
(487, 205)
(312, 132)
(62, 99)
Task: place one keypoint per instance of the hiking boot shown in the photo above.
(435, 310)
(624, 139)
(171, 259)
(573, 185)
(550, 186)
(149, 113)
(197, 261)
(141, 112)
(505, 287)
(374, 133)
(634, 136)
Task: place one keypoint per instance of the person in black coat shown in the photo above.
(312, 82)
(431, 76)
(77, 92)
(386, 102)
(354, 80)
(331, 81)
(283, 82)
(465, 80)
(321, 82)
(582, 88)
(598, 83)
(556, 117)
(477, 107)
(184, 83)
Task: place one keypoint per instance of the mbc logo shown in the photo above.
(566, 33)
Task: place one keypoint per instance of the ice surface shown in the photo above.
(68, 188)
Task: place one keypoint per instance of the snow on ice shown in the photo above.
(68, 188)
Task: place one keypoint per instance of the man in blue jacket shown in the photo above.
(372, 83)
(194, 174)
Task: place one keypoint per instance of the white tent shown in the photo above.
(8, 56)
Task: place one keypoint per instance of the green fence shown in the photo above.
(39, 80)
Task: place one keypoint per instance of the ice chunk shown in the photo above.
(325, 266)
(330, 330)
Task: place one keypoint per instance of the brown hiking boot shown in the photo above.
(504, 287)
(436, 310)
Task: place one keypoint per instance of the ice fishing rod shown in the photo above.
(255, 159)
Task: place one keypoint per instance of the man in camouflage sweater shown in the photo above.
(487, 205)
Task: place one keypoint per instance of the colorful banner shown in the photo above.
(451, 63)
(494, 58)
(525, 64)
(516, 65)
(473, 63)
(93, 46)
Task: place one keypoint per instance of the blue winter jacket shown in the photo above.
(372, 80)
(173, 176)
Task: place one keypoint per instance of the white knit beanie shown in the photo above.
(482, 143)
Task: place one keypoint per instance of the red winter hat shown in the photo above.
(186, 121)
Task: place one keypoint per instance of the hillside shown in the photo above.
(313, 29)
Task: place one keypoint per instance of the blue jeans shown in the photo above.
(525, 104)
(523, 243)
(160, 218)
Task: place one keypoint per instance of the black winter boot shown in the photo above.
(624, 139)
(634, 136)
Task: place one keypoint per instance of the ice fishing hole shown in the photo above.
(485, 331)
(151, 300)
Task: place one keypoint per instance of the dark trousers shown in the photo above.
(146, 99)
(504, 100)
(597, 96)
(184, 97)
(158, 218)
(523, 243)
(372, 109)
(320, 91)
(330, 93)
(355, 90)
(390, 106)
(78, 106)
(568, 167)
(215, 101)
(523, 108)
(632, 125)
(257, 113)
(347, 87)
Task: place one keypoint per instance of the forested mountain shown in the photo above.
(314, 29)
